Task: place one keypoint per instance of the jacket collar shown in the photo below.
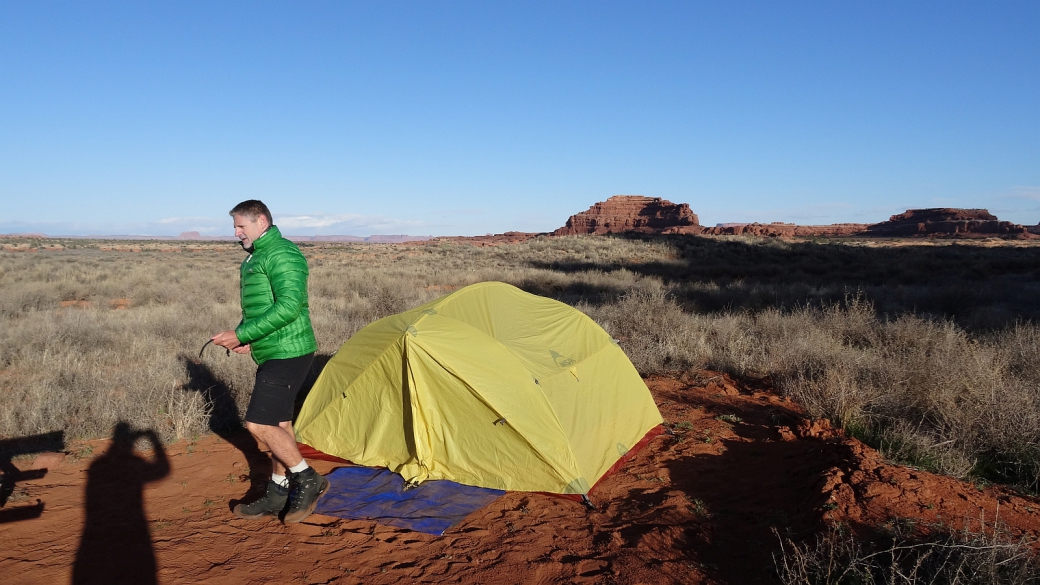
(270, 234)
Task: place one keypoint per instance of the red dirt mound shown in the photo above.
(699, 506)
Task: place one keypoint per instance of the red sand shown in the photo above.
(696, 508)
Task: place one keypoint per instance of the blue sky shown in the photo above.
(462, 118)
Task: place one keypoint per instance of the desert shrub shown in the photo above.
(928, 352)
(895, 557)
(923, 391)
(979, 287)
(654, 331)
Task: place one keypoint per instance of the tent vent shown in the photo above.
(578, 486)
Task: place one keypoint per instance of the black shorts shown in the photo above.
(277, 382)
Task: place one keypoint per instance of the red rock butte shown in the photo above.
(631, 213)
(653, 215)
(946, 222)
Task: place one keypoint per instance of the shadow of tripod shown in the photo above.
(11, 448)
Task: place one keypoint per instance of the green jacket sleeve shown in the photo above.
(287, 272)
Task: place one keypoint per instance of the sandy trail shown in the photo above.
(697, 507)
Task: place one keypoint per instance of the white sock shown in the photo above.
(299, 466)
(280, 480)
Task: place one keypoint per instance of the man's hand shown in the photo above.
(243, 349)
(227, 339)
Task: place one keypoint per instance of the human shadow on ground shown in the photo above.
(116, 546)
(11, 448)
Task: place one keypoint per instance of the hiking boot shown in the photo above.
(271, 504)
(307, 487)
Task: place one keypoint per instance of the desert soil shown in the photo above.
(704, 505)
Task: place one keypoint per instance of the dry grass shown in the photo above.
(84, 367)
(925, 392)
(897, 556)
(927, 351)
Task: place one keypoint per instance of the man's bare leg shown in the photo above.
(281, 440)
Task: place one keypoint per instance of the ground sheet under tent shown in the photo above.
(365, 493)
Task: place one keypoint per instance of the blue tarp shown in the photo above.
(364, 493)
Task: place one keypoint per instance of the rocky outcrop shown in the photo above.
(779, 229)
(653, 215)
(946, 222)
(632, 213)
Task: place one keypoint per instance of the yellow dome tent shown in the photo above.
(489, 386)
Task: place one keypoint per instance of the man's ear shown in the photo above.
(262, 220)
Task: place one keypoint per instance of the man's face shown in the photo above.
(248, 230)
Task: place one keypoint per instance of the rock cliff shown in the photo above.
(945, 222)
(635, 213)
(632, 213)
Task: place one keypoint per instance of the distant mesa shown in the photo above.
(946, 222)
(632, 213)
(653, 215)
(785, 230)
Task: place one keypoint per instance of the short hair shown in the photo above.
(253, 208)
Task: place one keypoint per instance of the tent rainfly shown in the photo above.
(488, 386)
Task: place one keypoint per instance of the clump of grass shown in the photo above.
(698, 507)
(682, 427)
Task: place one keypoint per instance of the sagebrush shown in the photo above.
(927, 350)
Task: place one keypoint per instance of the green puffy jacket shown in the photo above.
(276, 320)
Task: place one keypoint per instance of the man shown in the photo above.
(276, 330)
